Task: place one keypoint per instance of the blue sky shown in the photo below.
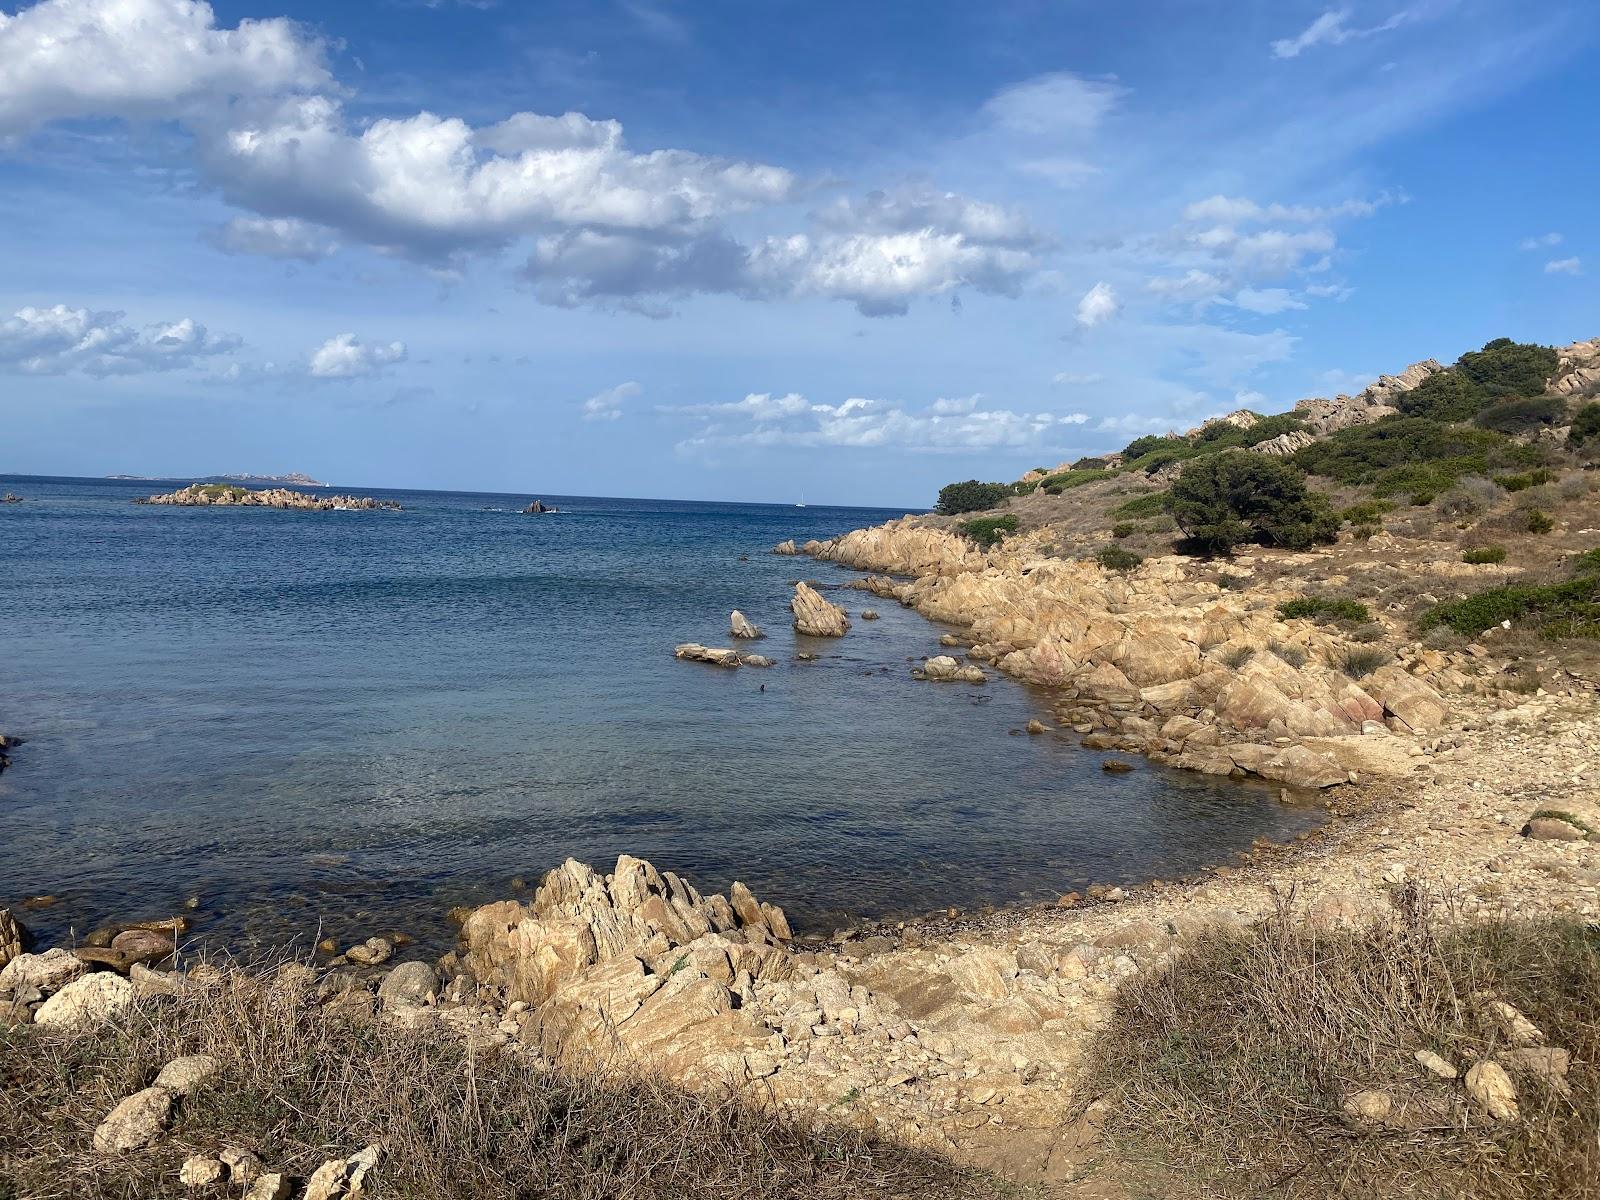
(749, 250)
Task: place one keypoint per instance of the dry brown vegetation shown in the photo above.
(1225, 1074)
(303, 1081)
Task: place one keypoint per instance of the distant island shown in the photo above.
(206, 495)
(295, 478)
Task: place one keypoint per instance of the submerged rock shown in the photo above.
(815, 616)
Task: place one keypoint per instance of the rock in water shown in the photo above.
(786, 548)
(815, 616)
(539, 506)
(944, 669)
(717, 656)
(371, 953)
(740, 626)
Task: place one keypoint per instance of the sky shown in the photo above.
(759, 250)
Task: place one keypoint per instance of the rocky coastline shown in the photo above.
(217, 495)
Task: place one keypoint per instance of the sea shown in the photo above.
(293, 725)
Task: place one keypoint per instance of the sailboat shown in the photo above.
(802, 503)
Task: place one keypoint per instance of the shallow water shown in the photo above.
(355, 720)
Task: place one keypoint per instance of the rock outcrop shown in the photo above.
(632, 965)
(14, 937)
(815, 616)
(539, 506)
(1578, 369)
(741, 626)
(1175, 665)
(1371, 404)
(217, 495)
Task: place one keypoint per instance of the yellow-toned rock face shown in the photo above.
(1156, 642)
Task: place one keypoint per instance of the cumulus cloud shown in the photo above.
(1099, 305)
(950, 424)
(343, 357)
(60, 340)
(273, 237)
(1332, 28)
(607, 405)
(1564, 266)
(142, 59)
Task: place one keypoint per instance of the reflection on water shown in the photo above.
(358, 720)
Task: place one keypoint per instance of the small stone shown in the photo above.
(1491, 1089)
(243, 1166)
(188, 1074)
(1434, 1065)
(1036, 727)
(1516, 1028)
(1370, 1106)
(201, 1171)
(370, 953)
(272, 1186)
(136, 1122)
(409, 983)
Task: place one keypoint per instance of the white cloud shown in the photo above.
(1543, 241)
(343, 357)
(1331, 29)
(1238, 210)
(1564, 266)
(142, 60)
(1099, 305)
(945, 425)
(607, 405)
(1068, 379)
(59, 340)
(273, 237)
(1195, 286)
(1054, 106)
(1266, 301)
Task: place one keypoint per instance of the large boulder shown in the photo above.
(49, 972)
(815, 616)
(86, 1001)
(1407, 699)
(715, 655)
(944, 669)
(741, 626)
(136, 1122)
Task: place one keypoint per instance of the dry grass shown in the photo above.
(1225, 1074)
(304, 1081)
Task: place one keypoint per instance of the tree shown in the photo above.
(1240, 496)
(970, 496)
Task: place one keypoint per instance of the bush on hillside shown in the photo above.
(1148, 444)
(1115, 558)
(1505, 368)
(1586, 425)
(1520, 416)
(1524, 481)
(1228, 499)
(1067, 480)
(986, 531)
(1410, 454)
(1539, 521)
(1324, 609)
(1151, 504)
(1567, 609)
(1479, 556)
(970, 496)
(1446, 395)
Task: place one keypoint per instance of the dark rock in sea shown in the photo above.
(1116, 766)
(10, 498)
(539, 506)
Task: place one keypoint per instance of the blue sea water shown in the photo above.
(354, 720)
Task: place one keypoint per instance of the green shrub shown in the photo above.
(1585, 425)
(1365, 533)
(1363, 661)
(1124, 529)
(1324, 609)
(1092, 464)
(986, 531)
(1220, 435)
(1410, 455)
(970, 496)
(1567, 609)
(1586, 562)
(1151, 504)
(1519, 416)
(1539, 522)
(1141, 446)
(1444, 396)
(1051, 489)
(1227, 499)
(1480, 555)
(1506, 368)
(1066, 480)
(1115, 558)
(1524, 481)
(1024, 487)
